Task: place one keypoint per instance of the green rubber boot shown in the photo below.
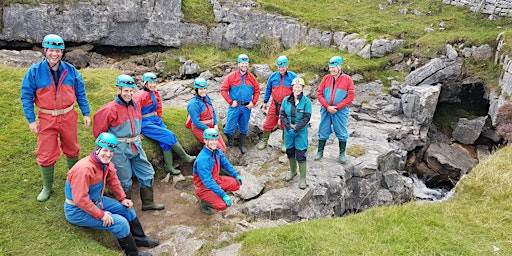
(283, 146)
(182, 153)
(241, 141)
(169, 167)
(264, 141)
(146, 196)
(302, 171)
(343, 146)
(206, 208)
(320, 152)
(47, 173)
(293, 168)
(71, 162)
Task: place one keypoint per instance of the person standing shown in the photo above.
(54, 85)
(279, 85)
(241, 91)
(122, 117)
(335, 93)
(201, 114)
(153, 126)
(86, 206)
(210, 186)
(295, 115)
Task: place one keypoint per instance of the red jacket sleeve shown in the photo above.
(101, 120)
(224, 89)
(256, 86)
(114, 184)
(351, 92)
(320, 92)
(80, 184)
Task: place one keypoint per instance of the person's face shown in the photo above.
(211, 144)
(105, 155)
(282, 70)
(54, 55)
(202, 92)
(125, 92)
(297, 89)
(243, 66)
(334, 71)
(151, 86)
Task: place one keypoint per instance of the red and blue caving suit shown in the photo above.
(124, 120)
(243, 89)
(153, 126)
(54, 90)
(278, 87)
(210, 186)
(85, 204)
(203, 116)
(335, 92)
(298, 114)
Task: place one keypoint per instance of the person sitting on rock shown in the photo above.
(86, 206)
(210, 186)
(153, 126)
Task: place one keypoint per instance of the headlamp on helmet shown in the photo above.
(53, 42)
(107, 140)
(282, 61)
(210, 133)
(243, 58)
(149, 77)
(125, 81)
(200, 83)
(335, 61)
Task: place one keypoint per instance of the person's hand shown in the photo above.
(234, 104)
(128, 203)
(141, 136)
(87, 121)
(227, 200)
(250, 105)
(292, 133)
(265, 106)
(34, 127)
(238, 179)
(332, 109)
(107, 219)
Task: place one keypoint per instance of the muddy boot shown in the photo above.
(182, 154)
(47, 173)
(283, 146)
(130, 248)
(241, 141)
(206, 208)
(302, 172)
(231, 141)
(343, 146)
(293, 168)
(320, 152)
(71, 162)
(146, 196)
(264, 141)
(169, 166)
(141, 240)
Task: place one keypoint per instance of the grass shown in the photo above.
(476, 219)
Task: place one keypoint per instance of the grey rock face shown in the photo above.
(467, 131)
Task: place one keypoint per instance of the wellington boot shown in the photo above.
(302, 172)
(320, 152)
(141, 240)
(293, 169)
(343, 146)
(264, 141)
(169, 166)
(241, 141)
(71, 162)
(128, 194)
(283, 146)
(231, 141)
(47, 173)
(182, 153)
(206, 208)
(146, 196)
(130, 248)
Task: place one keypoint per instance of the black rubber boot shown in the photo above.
(141, 240)
(206, 208)
(241, 141)
(130, 248)
(231, 141)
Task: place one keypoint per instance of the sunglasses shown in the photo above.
(126, 82)
(110, 145)
(55, 43)
(334, 63)
(281, 63)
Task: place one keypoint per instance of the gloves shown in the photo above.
(239, 179)
(292, 133)
(227, 200)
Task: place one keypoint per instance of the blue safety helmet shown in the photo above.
(53, 41)
(149, 77)
(125, 81)
(282, 61)
(210, 133)
(200, 83)
(243, 58)
(107, 140)
(335, 61)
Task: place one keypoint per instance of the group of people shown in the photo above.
(54, 85)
